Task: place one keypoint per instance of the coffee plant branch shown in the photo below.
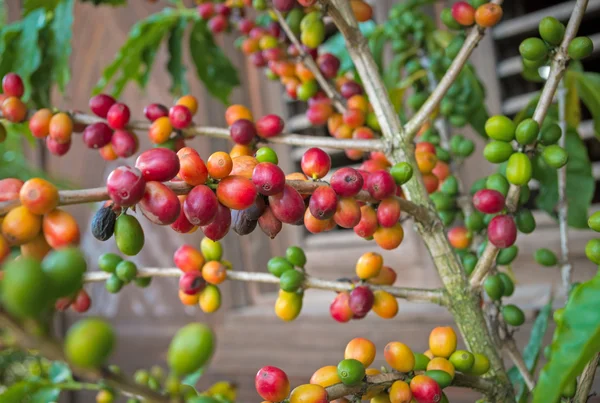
(586, 380)
(557, 70)
(563, 207)
(423, 114)
(69, 197)
(510, 346)
(310, 64)
(410, 294)
(464, 306)
(52, 350)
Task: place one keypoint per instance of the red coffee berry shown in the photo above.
(217, 24)
(97, 135)
(200, 205)
(272, 384)
(191, 282)
(242, 131)
(269, 126)
(57, 148)
(329, 65)
(82, 302)
(488, 201)
(126, 186)
(268, 178)
(284, 6)
(155, 111)
(245, 25)
(124, 143)
(236, 192)
(361, 300)
(350, 88)
(347, 182)
(100, 104)
(388, 212)
(206, 10)
(502, 231)
(288, 206)
(269, 224)
(12, 85)
(158, 164)
(318, 113)
(222, 9)
(347, 214)
(368, 223)
(118, 116)
(257, 59)
(182, 224)
(340, 308)
(315, 163)
(62, 304)
(381, 185)
(323, 203)
(180, 116)
(159, 204)
(273, 54)
(219, 227)
(463, 13)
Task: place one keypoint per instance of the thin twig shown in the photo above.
(513, 352)
(80, 196)
(563, 205)
(52, 350)
(441, 124)
(557, 70)
(586, 380)
(410, 294)
(475, 36)
(310, 64)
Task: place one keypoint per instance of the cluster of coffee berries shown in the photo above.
(30, 285)
(536, 52)
(37, 225)
(425, 375)
(290, 271)
(357, 303)
(203, 270)
(13, 109)
(167, 123)
(243, 130)
(465, 14)
(122, 272)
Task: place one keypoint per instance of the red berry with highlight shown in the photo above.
(368, 222)
(124, 143)
(100, 104)
(269, 126)
(340, 308)
(272, 384)
(57, 148)
(347, 182)
(160, 204)
(118, 116)
(502, 231)
(329, 65)
(158, 164)
(126, 186)
(347, 213)
(12, 85)
(381, 185)
(82, 302)
(361, 300)
(323, 203)
(200, 205)
(206, 10)
(97, 135)
(463, 13)
(388, 212)
(268, 178)
(350, 88)
(155, 111)
(288, 206)
(180, 116)
(488, 201)
(315, 163)
(242, 131)
(219, 227)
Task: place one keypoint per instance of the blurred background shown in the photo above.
(248, 332)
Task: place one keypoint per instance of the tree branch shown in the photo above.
(52, 350)
(310, 64)
(412, 126)
(513, 352)
(69, 197)
(557, 70)
(563, 205)
(409, 294)
(586, 380)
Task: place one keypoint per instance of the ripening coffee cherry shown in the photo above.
(155, 111)
(242, 131)
(158, 164)
(283, 6)
(124, 143)
(488, 201)
(347, 182)
(315, 163)
(180, 116)
(39, 123)
(463, 13)
(287, 206)
(350, 88)
(57, 148)
(268, 178)
(191, 282)
(361, 300)
(502, 231)
(97, 135)
(14, 110)
(118, 116)
(329, 65)
(160, 204)
(12, 85)
(269, 126)
(100, 104)
(323, 203)
(487, 15)
(126, 186)
(388, 212)
(272, 384)
(381, 185)
(200, 206)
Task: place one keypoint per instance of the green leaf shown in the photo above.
(580, 182)
(479, 115)
(29, 56)
(576, 339)
(137, 51)
(212, 66)
(31, 5)
(3, 14)
(59, 372)
(19, 391)
(60, 47)
(175, 64)
(45, 395)
(532, 349)
(573, 107)
(193, 378)
(588, 88)
(106, 2)
(377, 41)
